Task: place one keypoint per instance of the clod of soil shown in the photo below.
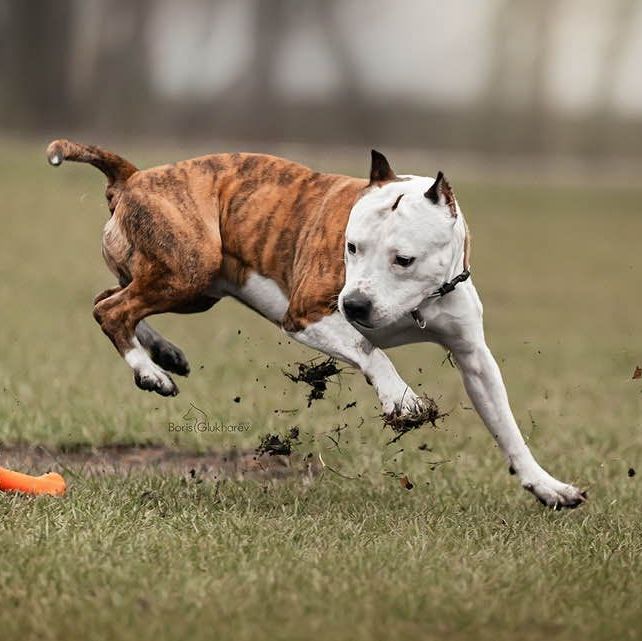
(315, 375)
(404, 481)
(278, 444)
(402, 424)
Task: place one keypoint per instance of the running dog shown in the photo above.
(344, 265)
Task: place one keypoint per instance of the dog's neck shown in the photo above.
(458, 273)
(461, 260)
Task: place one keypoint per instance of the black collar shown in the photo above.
(446, 288)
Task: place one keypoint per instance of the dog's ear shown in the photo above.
(441, 193)
(380, 170)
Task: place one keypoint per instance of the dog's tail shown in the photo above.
(117, 169)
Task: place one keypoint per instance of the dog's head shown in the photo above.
(404, 238)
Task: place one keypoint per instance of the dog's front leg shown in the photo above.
(484, 384)
(333, 335)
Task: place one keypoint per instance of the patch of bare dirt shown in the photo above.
(122, 460)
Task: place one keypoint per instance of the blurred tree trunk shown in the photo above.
(538, 136)
(519, 66)
(270, 20)
(621, 35)
(357, 119)
(34, 65)
(119, 95)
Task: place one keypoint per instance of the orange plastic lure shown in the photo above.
(50, 483)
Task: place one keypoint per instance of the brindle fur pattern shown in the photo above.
(177, 229)
(183, 226)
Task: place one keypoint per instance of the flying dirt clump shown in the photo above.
(278, 444)
(315, 375)
(429, 413)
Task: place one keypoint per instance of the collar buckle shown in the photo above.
(446, 288)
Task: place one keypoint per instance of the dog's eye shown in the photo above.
(404, 261)
(351, 248)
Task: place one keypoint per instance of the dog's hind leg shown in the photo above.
(163, 352)
(119, 316)
(167, 253)
(106, 294)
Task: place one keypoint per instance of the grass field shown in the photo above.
(466, 554)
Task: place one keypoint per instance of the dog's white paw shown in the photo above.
(408, 404)
(154, 379)
(147, 375)
(554, 493)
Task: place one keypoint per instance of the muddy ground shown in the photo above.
(122, 460)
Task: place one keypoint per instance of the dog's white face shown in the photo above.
(403, 241)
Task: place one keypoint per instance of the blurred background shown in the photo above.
(533, 108)
(487, 83)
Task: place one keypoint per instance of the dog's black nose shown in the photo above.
(357, 308)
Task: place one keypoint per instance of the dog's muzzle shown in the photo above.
(357, 308)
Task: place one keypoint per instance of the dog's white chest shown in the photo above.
(260, 293)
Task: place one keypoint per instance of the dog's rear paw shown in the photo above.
(155, 381)
(170, 358)
(555, 494)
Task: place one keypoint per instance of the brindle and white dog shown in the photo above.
(343, 265)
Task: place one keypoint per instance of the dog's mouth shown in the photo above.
(417, 316)
(362, 325)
